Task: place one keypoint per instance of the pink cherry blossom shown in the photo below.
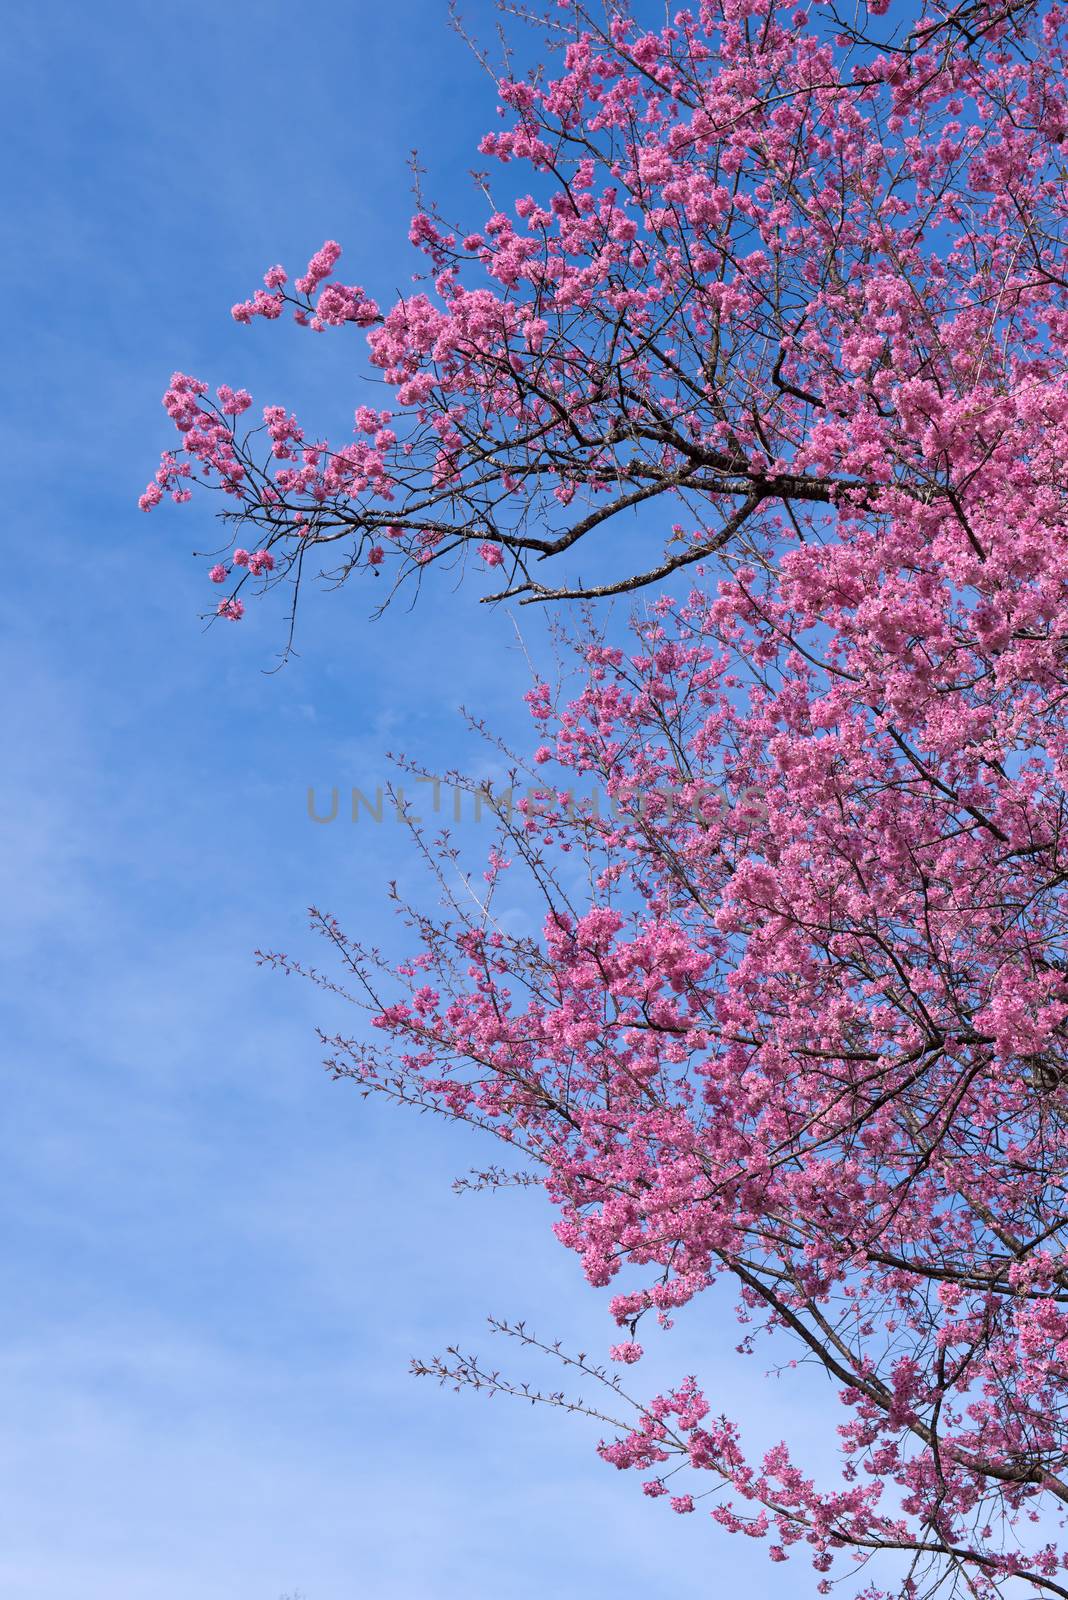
(709, 279)
(628, 1352)
(779, 298)
(806, 1035)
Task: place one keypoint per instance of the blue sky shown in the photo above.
(216, 1263)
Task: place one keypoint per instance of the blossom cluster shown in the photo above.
(730, 269)
(795, 290)
(814, 1045)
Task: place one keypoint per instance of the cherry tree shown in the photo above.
(797, 1019)
(790, 289)
(742, 266)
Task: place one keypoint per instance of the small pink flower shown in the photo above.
(240, 558)
(219, 573)
(233, 401)
(260, 561)
(491, 554)
(232, 610)
(628, 1352)
(320, 266)
(375, 556)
